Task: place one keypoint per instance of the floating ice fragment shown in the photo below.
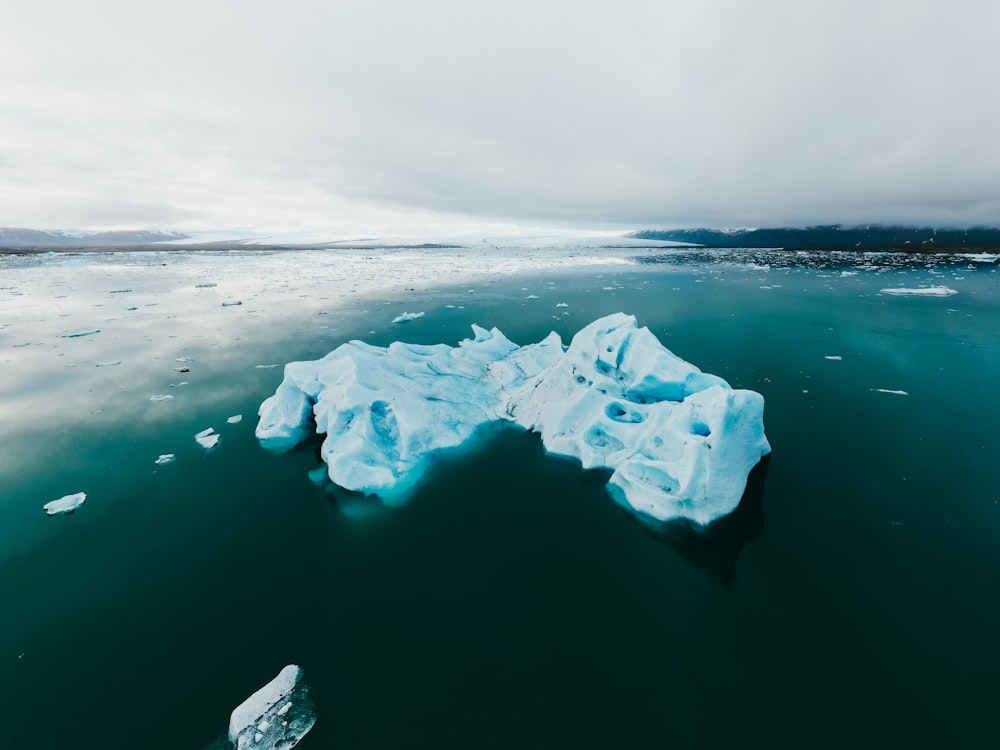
(924, 291)
(267, 367)
(886, 390)
(65, 505)
(680, 442)
(834, 357)
(184, 359)
(562, 304)
(982, 257)
(162, 397)
(165, 458)
(18, 346)
(235, 419)
(255, 722)
(78, 334)
(205, 285)
(182, 369)
(232, 303)
(108, 364)
(532, 296)
(405, 317)
(208, 438)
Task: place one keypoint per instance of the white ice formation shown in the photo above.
(407, 317)
(680, 442)
(65, 505)
(924, 291)
(277, 716)
(208, 438)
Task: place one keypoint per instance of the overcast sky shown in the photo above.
(402, 116)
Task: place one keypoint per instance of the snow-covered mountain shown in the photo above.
(20, 237)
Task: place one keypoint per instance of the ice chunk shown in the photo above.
(924, 291)
(165, 458)
(893, 392)
(982, 257)
(232, 303)
(184, 359)
(278, 715)
(406, 317)
(161, 397)
(78, 334)
(208, 438)
(205, 285)
(235, 419)
(108, 364)
(66, 504)
(833, 357)
(680, 442)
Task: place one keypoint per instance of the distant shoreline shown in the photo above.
(936, 249)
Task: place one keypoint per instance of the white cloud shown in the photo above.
(349, 115)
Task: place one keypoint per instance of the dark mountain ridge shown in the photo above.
(834, 237)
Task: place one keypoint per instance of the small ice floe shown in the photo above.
(982, 257)
(532, 296)
(205, 285)
(208, 438)
(888, 390)
(235, 419)
(232, 303)
(161, 397)
(18, 346)
(108, 364)
(182, 369)
(182, 360)
(78, 334)
(833, 357)
(165, 458)
(406, 317)
(131, 309)
(65, 505)
(845, 274)
(267, 367)
(278, 715)
(924, 291)
(562, 304)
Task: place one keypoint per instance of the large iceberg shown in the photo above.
(276, 717)
(679, 442)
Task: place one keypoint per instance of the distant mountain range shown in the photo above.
(16, 237)
(833, 237)
(826, 237)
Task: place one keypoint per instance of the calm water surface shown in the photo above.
(849, 602)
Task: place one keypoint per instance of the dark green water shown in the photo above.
(852, 601)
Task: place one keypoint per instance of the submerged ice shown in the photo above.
(679, 442)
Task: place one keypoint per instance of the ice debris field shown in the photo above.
(680, 443)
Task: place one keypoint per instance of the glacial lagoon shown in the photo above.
(849, 601)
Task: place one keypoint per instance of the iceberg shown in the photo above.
(65, 505)
(407, 317)
(208, 438)
(278, 715)
(924, 291)
(679, 443)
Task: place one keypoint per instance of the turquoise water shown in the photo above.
(850, 601)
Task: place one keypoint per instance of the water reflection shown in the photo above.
(716, 548)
